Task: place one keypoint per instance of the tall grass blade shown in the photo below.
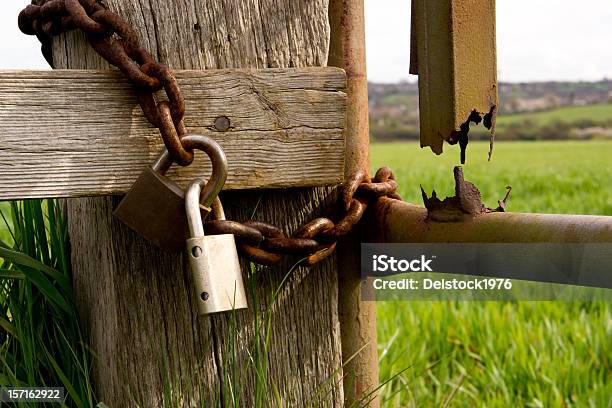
(41, 343)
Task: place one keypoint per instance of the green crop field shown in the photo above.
(495, 354)
(553, 177)
(595, 113)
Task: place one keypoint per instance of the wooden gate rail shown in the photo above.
(70, 133)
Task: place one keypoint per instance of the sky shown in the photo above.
(537, 40)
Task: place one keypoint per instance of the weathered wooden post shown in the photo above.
(135, 299)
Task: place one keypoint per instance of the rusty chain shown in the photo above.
(115, 41)
(266, 244)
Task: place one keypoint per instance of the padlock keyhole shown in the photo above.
(196, 251)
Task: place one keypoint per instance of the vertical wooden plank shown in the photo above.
(457, 65)
(137, 301)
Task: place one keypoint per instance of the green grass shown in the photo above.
(41, 343)
(407, 100)
(494, 354)
(595, 113)
(562, 177)
(5, 235)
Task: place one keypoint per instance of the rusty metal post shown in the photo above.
(357, 318)
(453, 51)
(398, 221)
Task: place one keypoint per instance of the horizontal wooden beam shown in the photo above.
(68, 133)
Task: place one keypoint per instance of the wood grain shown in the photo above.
(68, 133)
(136, 302)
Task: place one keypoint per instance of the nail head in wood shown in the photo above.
(222, 123)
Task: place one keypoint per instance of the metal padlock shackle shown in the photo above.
(194, 219)
(213, 260)
(208, 189)
(193, 194)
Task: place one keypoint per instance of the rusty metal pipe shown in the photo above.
(357, 318)
(396, 221)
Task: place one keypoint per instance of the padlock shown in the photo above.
(154, 206)
(215, 267)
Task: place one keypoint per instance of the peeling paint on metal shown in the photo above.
(457, 66)
(465, 204)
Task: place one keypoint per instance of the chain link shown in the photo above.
(118, 44)
(267, 245)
